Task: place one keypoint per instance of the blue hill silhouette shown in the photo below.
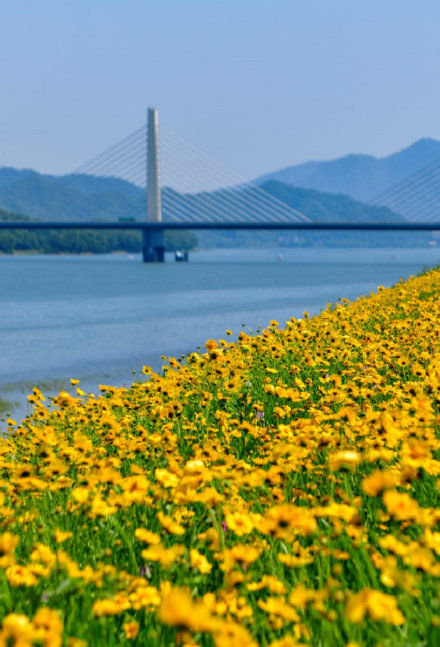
(361, 177)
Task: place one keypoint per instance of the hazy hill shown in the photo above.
(8, 216)
(328, 207)
(360, 176)
(86, 197)
(48, 197)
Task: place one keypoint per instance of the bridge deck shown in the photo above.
(158, 226)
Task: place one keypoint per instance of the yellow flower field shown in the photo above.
(282, 490)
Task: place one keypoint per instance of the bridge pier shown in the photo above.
(153, 248)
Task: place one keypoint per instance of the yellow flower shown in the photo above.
(49, 627)
(131, 629)
(61, 536)
(240, 554)
(168, 479)
(64, 399)
(170, 525)
(20, 576)
(286, 518)
(19, 628)
(76, 642)
(8, 543)
(240, 523)
(100, 507)
(378, 481)
(80, 494)
(287, 641)
(178, 609)
(108, 607)
(291, 561)
(279, 607)
(378, 605)
(199, 561)
(42, 554)
(144, 597)
(166, 556)
(300, 596)
(147, 536)
(400, 505)
(347, 458)
(270, 582)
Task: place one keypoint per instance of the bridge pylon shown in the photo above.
(153, 247)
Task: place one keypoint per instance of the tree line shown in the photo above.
(59, 241)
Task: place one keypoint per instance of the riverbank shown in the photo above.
(278, 490)
(99, 318)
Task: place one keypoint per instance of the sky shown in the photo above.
(257, 84)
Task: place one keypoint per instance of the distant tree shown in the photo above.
(56, 241)
(180, 240)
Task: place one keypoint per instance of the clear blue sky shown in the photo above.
(259, 84)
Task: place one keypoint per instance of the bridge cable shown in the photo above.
(236, 192)
(223, 172)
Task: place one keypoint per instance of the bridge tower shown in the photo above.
(153, 248)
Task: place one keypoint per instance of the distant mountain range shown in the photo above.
(361, 177)
(85, 197)
(68, 197)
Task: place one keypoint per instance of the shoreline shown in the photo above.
(293, 300)
(281, 474)
(430, 245)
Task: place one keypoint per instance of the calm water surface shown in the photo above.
(99, 318)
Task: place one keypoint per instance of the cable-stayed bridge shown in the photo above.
(173, 185)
